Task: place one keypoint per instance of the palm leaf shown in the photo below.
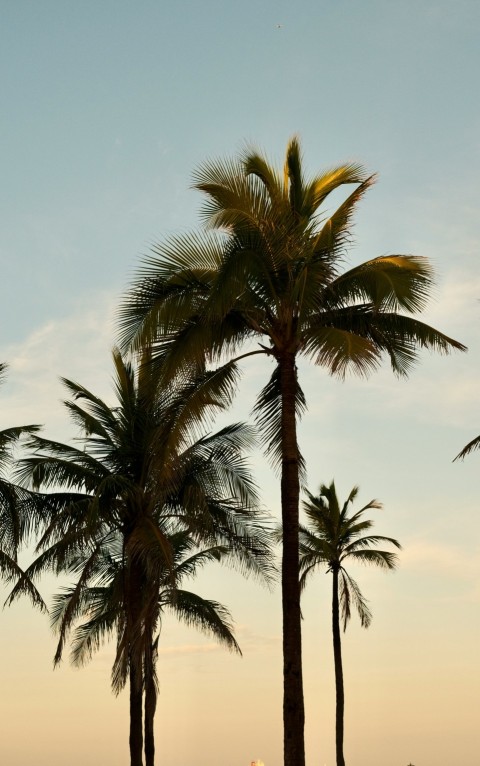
(470, 447)
(10, 571)
(208, 616)
(382, 559)
(330, 243)
(268, 416)
(390, 283)
(320, 187)
(350, 594)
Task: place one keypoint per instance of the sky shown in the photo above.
(107, 109)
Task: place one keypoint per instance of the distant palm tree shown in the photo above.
(331, 538)
(16, 518)
(470, 447)
(143, 466)
(270, 269)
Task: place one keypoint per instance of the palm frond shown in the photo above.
(268, 416)
(208, 616)
(366, 334)
(314, 552)
(69, 605)
(98, 419)
(350, 594)
(11, 571)
(171, 287)
(196, 402)
(382, 559)
(339, 349)
(52, 463)
(294, 178)
(102, 606)
(331, 241)
(327, 182)
(470, 447)
(254, 164)
(9, 437)
(390, 283)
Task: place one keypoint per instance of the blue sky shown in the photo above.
(107, 109)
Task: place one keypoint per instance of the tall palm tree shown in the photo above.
(269, 268)
(470, 447)
(16, 518)
(142, 465)
(331, 538)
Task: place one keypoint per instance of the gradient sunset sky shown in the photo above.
(108, 107)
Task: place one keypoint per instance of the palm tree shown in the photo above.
(102, 613)
(142, 465)
(16, 518)
(331, 538)
(268, 268)
(470, 447)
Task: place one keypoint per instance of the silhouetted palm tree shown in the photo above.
(331, 538)
(272, 273)
(142, 466)
(101, 610)
(16, 518)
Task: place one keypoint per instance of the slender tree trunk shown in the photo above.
(337, 658)
(293, 706)
(134, 590)
(150, 703)
(136, 734)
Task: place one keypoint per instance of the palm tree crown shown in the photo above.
(275, 271)
(333, 537)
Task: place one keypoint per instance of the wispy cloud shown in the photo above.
(76, 346)
(459, 566)
(253, 641)
(188, 649)
(249, 641)
(452, 560)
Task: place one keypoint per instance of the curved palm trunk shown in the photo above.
(293, 706)
(337, 657)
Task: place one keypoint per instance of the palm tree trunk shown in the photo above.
(293, 705)
(134, 589)
(337, 658)
(136, 734)
(150, 704)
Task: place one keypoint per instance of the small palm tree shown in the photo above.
(100, 612)
(270, 269)
(142, 465)
(331, 538)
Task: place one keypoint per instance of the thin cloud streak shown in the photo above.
(76, 346)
